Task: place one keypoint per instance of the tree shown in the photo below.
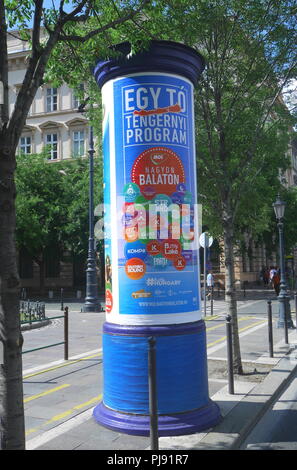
(243, 126)
(246, 126)
(270, 235)
(41, 207)
(49, 26)
(51, 206)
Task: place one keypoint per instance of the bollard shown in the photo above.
(66, 341)
(30, 315)
(286, 320)
(230, 355)
(270, 335)
(153, 407)
(211, 301)
(62, 300)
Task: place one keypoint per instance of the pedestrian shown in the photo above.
(276, 282)
(266, 276)
(262, 275)
(272, 272)
(210, 284)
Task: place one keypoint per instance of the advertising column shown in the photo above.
(151, 242)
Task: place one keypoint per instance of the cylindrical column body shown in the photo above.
(151, 245)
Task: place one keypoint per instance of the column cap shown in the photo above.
(160, 56)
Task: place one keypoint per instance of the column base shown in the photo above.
(281, 324)
(92, 308)
(285, 311)
(168, 425)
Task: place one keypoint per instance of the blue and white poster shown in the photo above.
(152, 184)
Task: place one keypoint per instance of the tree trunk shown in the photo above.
(11, 386)
(230, 295)
(41, 265)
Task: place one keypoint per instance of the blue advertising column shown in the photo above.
(151, 242)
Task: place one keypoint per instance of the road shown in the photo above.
(58, 392)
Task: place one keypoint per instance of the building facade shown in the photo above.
(53, 119)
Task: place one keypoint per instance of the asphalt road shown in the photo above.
(56, 391)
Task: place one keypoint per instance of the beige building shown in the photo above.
(53, 118)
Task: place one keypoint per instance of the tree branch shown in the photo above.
(101, 29)
(36, 27)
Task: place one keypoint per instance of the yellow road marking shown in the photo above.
(223, 324)
(43, 371)
(239, 331)
(60, 416)
(211, 317)
(217, 341)
(47, 392)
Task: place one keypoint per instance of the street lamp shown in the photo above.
(92, 303)
(284, 318)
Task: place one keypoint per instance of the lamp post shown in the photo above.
(92, 303)
(284, 318)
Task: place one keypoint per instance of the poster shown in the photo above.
(152, 245)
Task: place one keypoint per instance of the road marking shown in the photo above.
(67, 363)
(47, 392)
(223, 324)
(57, 431)
(211, 317)
(66, 413)
(251, 328)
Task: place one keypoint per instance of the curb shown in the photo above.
(36, 324)
(231, 432)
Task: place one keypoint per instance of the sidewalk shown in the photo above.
(240, 411)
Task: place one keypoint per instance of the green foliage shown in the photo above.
(243, 128)
(289, 195)
(52, 203)
(77, 178)
(19, 14)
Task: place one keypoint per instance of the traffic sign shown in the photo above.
(205, 240)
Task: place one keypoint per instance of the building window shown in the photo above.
(25, 145)
(76, 101)
(51, 140)
(78, 143)
(51, 99)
